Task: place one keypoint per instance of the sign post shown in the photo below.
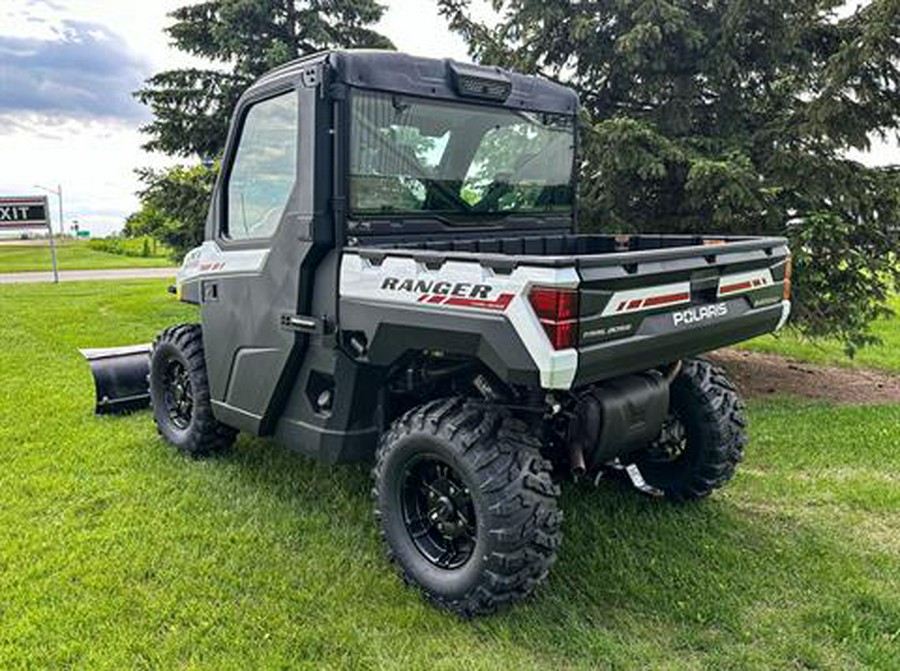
(28, 212)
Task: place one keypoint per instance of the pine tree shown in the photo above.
(730, 117)
(242, 39)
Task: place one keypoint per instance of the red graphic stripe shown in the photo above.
(501, 303)
(654, 301)
(739, 286)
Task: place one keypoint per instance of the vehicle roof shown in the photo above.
(396, 72)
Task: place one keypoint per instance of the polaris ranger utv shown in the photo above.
(391, 273)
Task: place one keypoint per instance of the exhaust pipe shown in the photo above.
(620, 416)
(576, 460)
(584, 428)
(120, 378)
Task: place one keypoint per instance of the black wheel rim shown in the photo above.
(672, 443)
(179, 396)
(439, 512)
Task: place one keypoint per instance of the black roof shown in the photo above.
(396, 72)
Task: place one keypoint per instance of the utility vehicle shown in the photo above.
(391, 273)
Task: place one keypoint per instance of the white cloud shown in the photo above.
(414, 26)
(94, 159)
(84, 71)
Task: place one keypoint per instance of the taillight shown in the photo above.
(788, 270)
(557, 310)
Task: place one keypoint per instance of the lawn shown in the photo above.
(885, 356)
(115, 552)
(71, 255)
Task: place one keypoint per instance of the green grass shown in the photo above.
(885, 356)
(142, 246)
(115, 552)
(71, 255)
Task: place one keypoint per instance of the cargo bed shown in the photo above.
(562, 248)
(643, 300)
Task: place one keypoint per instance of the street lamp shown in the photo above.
(58, 193)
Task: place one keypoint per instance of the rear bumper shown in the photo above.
(661, 342)
(785, 314)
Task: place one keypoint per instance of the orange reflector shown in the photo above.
(788, 270)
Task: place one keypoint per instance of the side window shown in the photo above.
(264, 169)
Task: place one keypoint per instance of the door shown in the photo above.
(260, 217)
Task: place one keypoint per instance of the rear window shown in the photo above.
(416, 156)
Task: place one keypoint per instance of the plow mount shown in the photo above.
(120, 378)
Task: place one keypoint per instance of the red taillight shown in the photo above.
(563, 335)
(555, 304)
(557, 310)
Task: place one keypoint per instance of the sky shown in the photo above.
(67, 116)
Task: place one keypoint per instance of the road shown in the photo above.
(34, 242)
(88, 275)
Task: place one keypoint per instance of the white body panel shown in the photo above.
(210, 260)
(463, 286)
(648, 298)
(740, 283)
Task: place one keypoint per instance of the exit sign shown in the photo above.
(24, 212)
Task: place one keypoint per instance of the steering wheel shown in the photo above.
(494, 192)
(444, 195)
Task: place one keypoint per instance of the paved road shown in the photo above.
(9, 242)
(88, 275)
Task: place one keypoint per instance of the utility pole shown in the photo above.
(58, 193)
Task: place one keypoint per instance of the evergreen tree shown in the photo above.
(174, 203)
(732, 117)
(241, 39)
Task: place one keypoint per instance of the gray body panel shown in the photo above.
(251, 358)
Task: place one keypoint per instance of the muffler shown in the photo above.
(120, 378)
(619, 416)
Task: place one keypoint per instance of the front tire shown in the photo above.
(703, 439)
(179, 394)
(466, 505)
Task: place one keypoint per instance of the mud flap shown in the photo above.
(120, 378)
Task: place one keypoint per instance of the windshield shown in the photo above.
(410, 156)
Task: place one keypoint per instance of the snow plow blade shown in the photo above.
(120, 378)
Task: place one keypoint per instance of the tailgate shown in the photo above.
(643, 309)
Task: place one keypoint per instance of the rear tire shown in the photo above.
(484, 529)
(179, 394)
(703, 439)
